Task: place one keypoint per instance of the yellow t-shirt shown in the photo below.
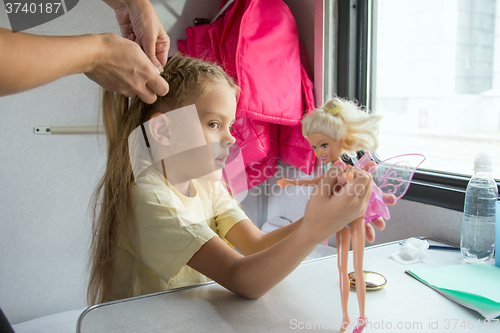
(170, 229)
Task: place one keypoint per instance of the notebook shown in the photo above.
(476, 286)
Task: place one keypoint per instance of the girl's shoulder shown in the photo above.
(151, 186)
(150, 181)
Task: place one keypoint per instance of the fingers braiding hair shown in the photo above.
(190, 78)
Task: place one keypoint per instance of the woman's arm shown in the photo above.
(28, 61)
(326, 213)
(117, 64)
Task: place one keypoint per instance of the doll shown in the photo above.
(342, 127)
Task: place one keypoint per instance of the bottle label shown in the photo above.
(497, 234)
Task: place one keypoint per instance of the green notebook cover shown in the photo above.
(476, 286)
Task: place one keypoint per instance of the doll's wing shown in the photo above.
(393, 176)
(376, 206)
(363, 161)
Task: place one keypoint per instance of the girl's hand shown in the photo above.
(389, 199)
(329, 210)
(284, 182)
(379, 223)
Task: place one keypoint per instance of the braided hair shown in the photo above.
(188, 78)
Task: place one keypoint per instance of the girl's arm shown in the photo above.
(379, 223)
(326, 213)
(249, 239)
(254, 275)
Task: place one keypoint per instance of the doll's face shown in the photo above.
(326, 149)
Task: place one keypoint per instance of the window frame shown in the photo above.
(355, 75)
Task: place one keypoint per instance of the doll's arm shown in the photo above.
(284, 182)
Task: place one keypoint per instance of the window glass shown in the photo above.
(436, 80)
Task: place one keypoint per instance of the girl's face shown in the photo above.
(326, 149)
(180, 144)
(217, 112)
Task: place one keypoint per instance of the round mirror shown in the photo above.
(373, 280)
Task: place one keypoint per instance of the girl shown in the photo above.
(338, 127)
(147, 236)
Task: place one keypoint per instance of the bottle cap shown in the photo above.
(482, 162)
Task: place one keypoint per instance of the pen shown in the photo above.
(439, 247)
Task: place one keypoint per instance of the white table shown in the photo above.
(307, 300)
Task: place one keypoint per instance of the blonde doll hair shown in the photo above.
(344, 119)
(189, 80)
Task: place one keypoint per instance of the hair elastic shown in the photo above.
(334, 110)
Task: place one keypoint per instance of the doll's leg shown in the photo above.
(343, 238)
(358, 248)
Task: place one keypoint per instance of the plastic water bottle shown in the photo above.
(478, 228)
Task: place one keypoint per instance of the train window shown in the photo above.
(432, 69)
(437, 81)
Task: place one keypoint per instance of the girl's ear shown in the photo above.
(159, 127)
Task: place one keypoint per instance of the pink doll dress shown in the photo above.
(392, 176)
(376, 206)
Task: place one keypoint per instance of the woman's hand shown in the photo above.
(139, 22)
(122, 67)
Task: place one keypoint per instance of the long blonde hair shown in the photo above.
(344, 119)
(189, 80)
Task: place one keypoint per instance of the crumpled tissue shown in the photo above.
(413, 250)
